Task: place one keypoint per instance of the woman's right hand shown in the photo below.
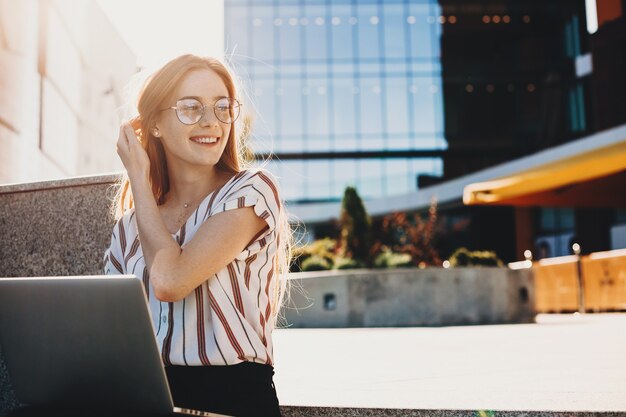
(131, 151)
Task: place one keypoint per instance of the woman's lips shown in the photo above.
(204, 140)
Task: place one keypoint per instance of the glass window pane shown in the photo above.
(368, 24)
(318, 179)
(341, 26)
(289, 30)
(315, 32)
(397, 111)
(548, 219)
(291, 178)
(371, 120)
(371, 179)
(263, 93)
(262, 34)
(396, 178)
(567, 218)
(290, 96)
(422, 31)
(423, 91)
(318, 108)
(344, 106)
(394, 23)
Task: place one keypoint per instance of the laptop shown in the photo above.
(83, 342)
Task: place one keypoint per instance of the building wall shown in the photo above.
(509, 83)
(608, 50)
(64, 83)
(20, 157)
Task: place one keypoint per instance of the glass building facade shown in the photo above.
(391, 96)
(345, 92)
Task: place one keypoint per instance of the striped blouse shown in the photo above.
(227, 319)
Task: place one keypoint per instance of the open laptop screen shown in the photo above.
(82, 341)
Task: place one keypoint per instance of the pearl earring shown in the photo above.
(156, 132)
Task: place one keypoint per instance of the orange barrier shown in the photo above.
(556, 284)
(603, 276)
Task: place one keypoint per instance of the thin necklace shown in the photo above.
(182, 214)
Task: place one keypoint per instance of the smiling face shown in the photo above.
(202, 143)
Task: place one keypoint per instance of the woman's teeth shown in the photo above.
(204, 140)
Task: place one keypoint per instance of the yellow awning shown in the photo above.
(596, 177)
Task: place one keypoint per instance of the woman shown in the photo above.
(208, 238)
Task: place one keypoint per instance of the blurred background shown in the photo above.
(510, 113)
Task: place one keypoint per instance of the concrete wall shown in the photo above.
(61, 84)
(411, 297)
(55, 227)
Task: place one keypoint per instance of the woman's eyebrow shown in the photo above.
(200, 98)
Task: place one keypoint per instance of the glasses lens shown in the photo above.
(227, 109)
(189, 111)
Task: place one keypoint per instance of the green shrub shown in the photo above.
(322, 248)
(355, 224)
(389, 259)
(347, 263)
(315, 263)
(464, 257)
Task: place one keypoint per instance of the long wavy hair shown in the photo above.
(156, 91)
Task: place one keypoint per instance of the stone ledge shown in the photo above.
(294, 411)
(60, 183)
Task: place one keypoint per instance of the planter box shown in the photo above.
(410, 297)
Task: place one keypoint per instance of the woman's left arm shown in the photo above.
(218, 241)
(174, 272)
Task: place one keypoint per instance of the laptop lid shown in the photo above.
(82, 341)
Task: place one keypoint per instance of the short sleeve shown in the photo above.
(113, 256)
(260, 190)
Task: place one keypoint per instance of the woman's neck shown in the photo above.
(190, 187)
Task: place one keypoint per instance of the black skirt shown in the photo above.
(245, 389)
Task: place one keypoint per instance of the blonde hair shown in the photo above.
(156, 90)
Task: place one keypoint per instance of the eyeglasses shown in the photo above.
(190, 110)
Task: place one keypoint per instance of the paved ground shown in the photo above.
(561, 363)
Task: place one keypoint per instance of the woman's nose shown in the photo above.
(208, 117)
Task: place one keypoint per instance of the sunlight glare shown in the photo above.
(157, 31)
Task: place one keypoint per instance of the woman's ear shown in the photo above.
(155, 132)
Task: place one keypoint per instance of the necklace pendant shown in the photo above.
(186, 205)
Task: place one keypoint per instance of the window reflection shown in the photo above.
(262, 36)
(394, 31)
(289, 33)
(342, 41)
(368, 33)
(345, 76)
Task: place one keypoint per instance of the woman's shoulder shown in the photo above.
(261, 175)
(251, 185)
(252, 177)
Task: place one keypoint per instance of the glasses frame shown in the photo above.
(233, 103)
